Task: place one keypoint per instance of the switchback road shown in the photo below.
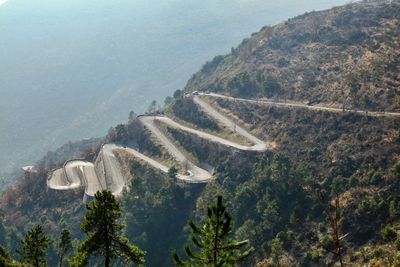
(105, 173)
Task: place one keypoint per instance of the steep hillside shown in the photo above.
(348, 56)
(115, 55)
(282, 197)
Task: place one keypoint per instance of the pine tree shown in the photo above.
(34, 247)
(213, 241)
(172, 172)
(64, 245)
(276, 251)
(6, 260)
(104, 233)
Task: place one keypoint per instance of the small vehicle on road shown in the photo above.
(310, 102)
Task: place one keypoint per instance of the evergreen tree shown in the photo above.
(6, 260)
(213, 241)
(34, 247)
(13, 240)
(121, 133)
(276, 251)
(172, 172)
(104, 233)
(64, 245)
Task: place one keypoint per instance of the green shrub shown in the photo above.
(314, 255)
(379, 253)
(396, 169)
(388, 233)
(328, 243)
(376, 179)
(397, 244)
(353, 182)
(313, 153)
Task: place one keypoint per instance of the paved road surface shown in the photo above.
(303, 105)
(75, 174)
(105, 173)
(259, 145)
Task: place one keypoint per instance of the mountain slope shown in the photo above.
(348, 56)
(70, 69)
(278, 198)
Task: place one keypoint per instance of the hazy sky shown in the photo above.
(71, 69)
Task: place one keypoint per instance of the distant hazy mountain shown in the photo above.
(70, 69)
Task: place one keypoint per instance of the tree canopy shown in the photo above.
(34, 246)
(64, 245)
(104, 235)
(213, 242)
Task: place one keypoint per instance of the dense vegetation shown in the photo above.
(282, 201)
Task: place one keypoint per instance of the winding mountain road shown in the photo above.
(105, 173)
(303, 105)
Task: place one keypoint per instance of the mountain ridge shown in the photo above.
(275, 196)
(298, 59)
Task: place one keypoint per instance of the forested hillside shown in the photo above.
(329, 181)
